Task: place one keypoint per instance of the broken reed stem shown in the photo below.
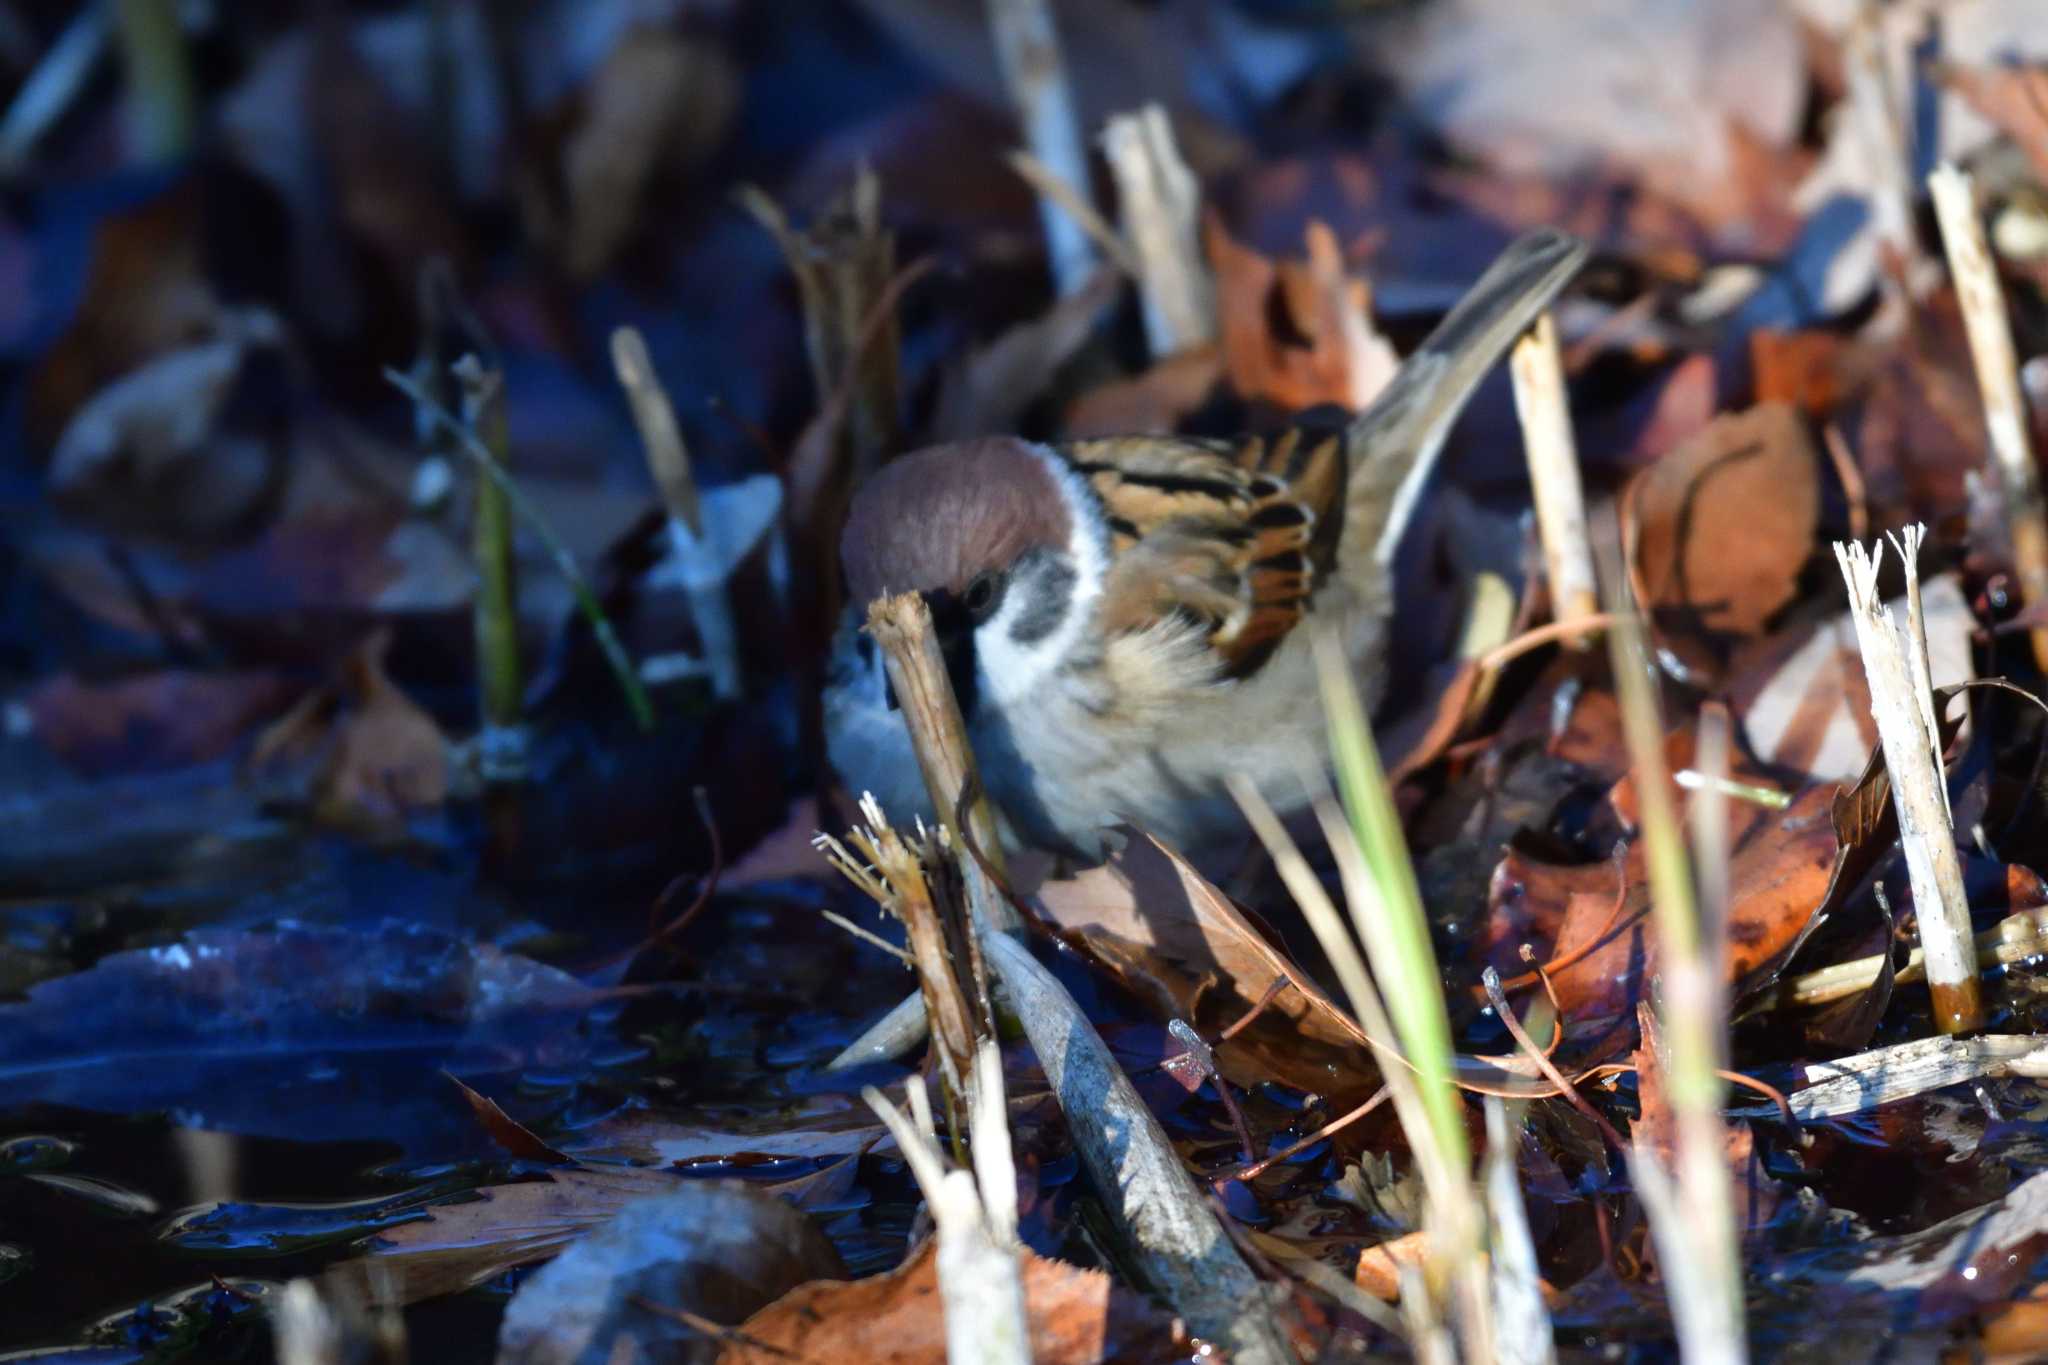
(162, 114)
(1693, 1221)
(902, 626)
(890, 1037)
(980, 1271)
(502, 750)
(1160, 206)
(843, 264)
(436, 415)
(1874, 104)
(702, 577)
(1034, 173)
(1985, 321)
(2016, 938)
(1523, 1334)
(668, 458)
(1028, 51)
(1537, 365)
(1918, 787)
(893, 872)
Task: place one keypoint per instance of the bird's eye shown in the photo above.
(982, 595)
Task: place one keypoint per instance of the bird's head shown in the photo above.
(1004, 541)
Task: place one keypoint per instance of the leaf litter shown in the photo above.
(263, 884)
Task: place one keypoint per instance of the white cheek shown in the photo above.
(1009, 670)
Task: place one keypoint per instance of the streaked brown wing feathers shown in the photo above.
(1235, 538)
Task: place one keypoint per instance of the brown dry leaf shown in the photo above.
(1658, 89)
(991, 390)
(1077, 1317)
(1922, 435)
(1725, 523)
(365, 754)
(2015, 98)
(458, 1246)
(145, 293)
(153, 454)
(1757, 1196)
(154, 721)
(1780, 874)
(1680, 410)
(1801, 697)
(660, 102)
(514, 1136)
(1805, 369)
(1379, 1267)
(1296, 334)
(462, 1244)
(391, 198)
(1153, 920)
(1152, 402)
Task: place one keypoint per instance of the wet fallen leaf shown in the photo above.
(1601, 950)
(895, 1319)
(1954, 1268)
(362, 754)
(1296, 334)
(1155, 922)
(818, 1126)
(718, 1250)
(152, 722)
(1756, 1195)
(240, 1029)
(460, 1244)
(1725, 523)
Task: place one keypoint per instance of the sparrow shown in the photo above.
(1122, 617)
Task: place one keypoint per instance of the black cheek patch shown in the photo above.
(1048, 589)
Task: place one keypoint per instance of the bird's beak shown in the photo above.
(955, 633)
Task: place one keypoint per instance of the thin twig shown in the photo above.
(1490, 979)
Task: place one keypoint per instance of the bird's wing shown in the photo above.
(1235, 539)
(1229, 539)
(1395, 441)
